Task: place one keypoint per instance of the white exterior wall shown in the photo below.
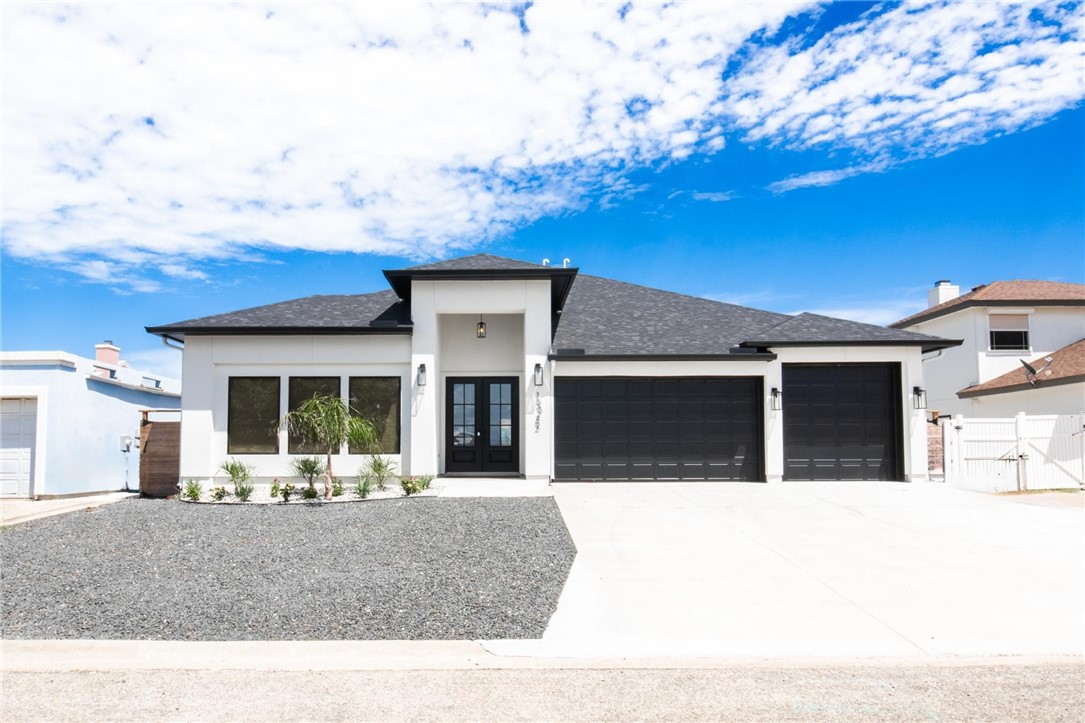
(517, 316)
(209, 362)
(1050, 329)
(80, 420)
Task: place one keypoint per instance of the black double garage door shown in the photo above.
(658, 429)
(840, 421)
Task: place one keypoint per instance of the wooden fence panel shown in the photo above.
(159, 458)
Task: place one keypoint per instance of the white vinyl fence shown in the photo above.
(1022, 453)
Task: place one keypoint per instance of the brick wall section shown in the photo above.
(935, 456)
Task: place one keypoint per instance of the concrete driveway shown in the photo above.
(814, 570)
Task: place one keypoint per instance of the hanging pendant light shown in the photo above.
(480, 328)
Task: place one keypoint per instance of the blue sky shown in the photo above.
(167, 162)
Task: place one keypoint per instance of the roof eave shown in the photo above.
(970, 304)
(561, 279)
(178, 333)
(762, 357)
(927, 345)
(1023, 386)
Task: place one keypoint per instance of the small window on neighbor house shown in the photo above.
(377, 399)
(301, 390)
(1009, 332)
(252, 413)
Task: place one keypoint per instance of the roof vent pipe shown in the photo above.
(942, 292)
(565, 262)
(546, 262)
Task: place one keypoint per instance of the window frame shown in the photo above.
(273, 433)
(1012, 325)
(294, 445)
(399, 409)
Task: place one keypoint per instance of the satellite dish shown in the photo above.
(1031, 372)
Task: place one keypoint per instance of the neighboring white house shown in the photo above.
(65, 418)
(1002, 324)
(485, 366)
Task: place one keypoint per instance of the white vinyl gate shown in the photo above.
(1023, 453)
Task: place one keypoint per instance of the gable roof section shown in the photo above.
(478, 262)
(480, 267)
(816, 330)
(1004, 293)
(608, 318)
(342, 314)
(1067, 367)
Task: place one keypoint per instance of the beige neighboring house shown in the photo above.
(1003, 324)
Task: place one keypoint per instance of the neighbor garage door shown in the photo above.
(658, 429)
(18, 422)
(842, 422)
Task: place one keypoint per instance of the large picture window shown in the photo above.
(302, 389)
(376, 399)
(253, 410)
(1009, 332)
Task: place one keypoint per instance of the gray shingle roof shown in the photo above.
(380, 311)
(477, 262)
(601, 317)
(607, 317)
(809, 328)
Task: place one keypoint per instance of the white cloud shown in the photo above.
(713, 196)
(823, 178)
(915, 80)
(142, 140)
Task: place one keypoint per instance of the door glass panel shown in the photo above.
(500, 415)
(463, 415)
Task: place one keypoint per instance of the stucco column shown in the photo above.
(537, 416)
(915, 420)
(774, 423)
(423, 416)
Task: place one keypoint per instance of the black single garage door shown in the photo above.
(658, 429)
(842, 422)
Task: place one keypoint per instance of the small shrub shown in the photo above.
(243, 491)
(362, 488)
(337, 487)
(309, 493)
(218, 494)
(275, 488)
(238, 471)
(308, 468)
(423, 482)
(285, 491)
(192, 491)
(379, 469)
(410, 485)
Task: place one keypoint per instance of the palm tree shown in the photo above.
(326, 422)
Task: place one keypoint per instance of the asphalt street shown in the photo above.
(1000, 691)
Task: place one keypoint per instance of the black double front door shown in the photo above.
(482, 430)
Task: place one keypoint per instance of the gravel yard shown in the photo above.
(407, 569)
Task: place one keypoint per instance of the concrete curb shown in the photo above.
(14, 512)
(118, 655)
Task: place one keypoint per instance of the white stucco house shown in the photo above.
(484, 366)
(65, 419)
(1002, 324)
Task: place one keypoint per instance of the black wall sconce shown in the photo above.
(480, 329)
(538, 375)
(919, 397)
(776, 402)
(421, 375)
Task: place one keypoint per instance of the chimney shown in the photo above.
(106, 353)
(942, 292)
